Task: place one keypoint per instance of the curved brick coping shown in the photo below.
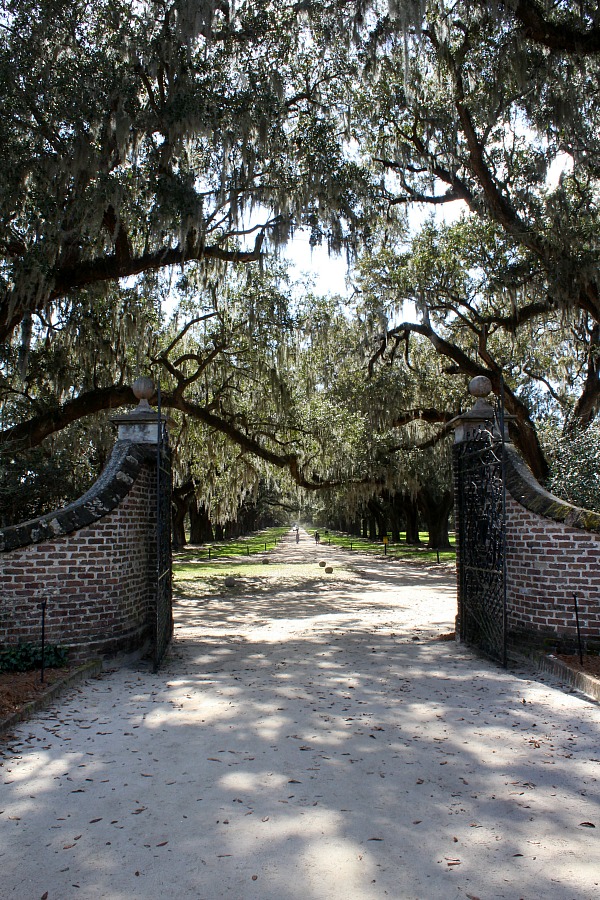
(106, 493)
(523, 487)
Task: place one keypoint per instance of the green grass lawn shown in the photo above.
(397, 551)
(236, 554)
(240, 568)
(258, 542)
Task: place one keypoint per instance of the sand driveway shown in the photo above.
(308, 738)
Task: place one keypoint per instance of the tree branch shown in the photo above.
(30, 434)
(65, 279)
(555, 36)
(429, 414)
(524, 432)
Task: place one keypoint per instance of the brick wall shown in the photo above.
(553, 552)
(94, 561)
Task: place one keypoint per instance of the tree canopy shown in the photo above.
(139, 136)
(167, 148)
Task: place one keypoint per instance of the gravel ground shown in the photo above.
(308, 738)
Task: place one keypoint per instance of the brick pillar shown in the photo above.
(95, 561)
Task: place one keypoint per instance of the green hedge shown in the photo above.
(26, 656)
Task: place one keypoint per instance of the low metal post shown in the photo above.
(43, 608)
(578, 629)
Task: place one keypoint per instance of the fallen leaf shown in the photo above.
(587, 824)
(162, 844)
(375, 839)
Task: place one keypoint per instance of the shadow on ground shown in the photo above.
(301, 744)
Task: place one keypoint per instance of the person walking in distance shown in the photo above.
(297, 535)
(317, 537)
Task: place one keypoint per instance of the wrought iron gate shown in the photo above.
(163, 628)
(481, 509)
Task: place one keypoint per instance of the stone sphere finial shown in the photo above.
(143, 388)
(480, 386)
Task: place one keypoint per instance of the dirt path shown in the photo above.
(308, 739)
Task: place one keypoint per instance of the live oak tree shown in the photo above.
(397, 464)
(145, 139)
(469, 106)
(137, 138)
(449, 273)
(482, 103)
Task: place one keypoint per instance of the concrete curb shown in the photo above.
(87, 670)
(550, 665)
(588, 684)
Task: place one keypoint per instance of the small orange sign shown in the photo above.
(386, 540)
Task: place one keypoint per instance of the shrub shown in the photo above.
(575, 466)
(26, 656)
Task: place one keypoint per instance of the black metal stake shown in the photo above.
(438, 555)
(578, 629)
(43, 608)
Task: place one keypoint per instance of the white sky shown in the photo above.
(329, 272)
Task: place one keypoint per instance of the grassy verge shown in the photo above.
(420, 553)
(259, 542)
(239, 574)
(240, 567)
